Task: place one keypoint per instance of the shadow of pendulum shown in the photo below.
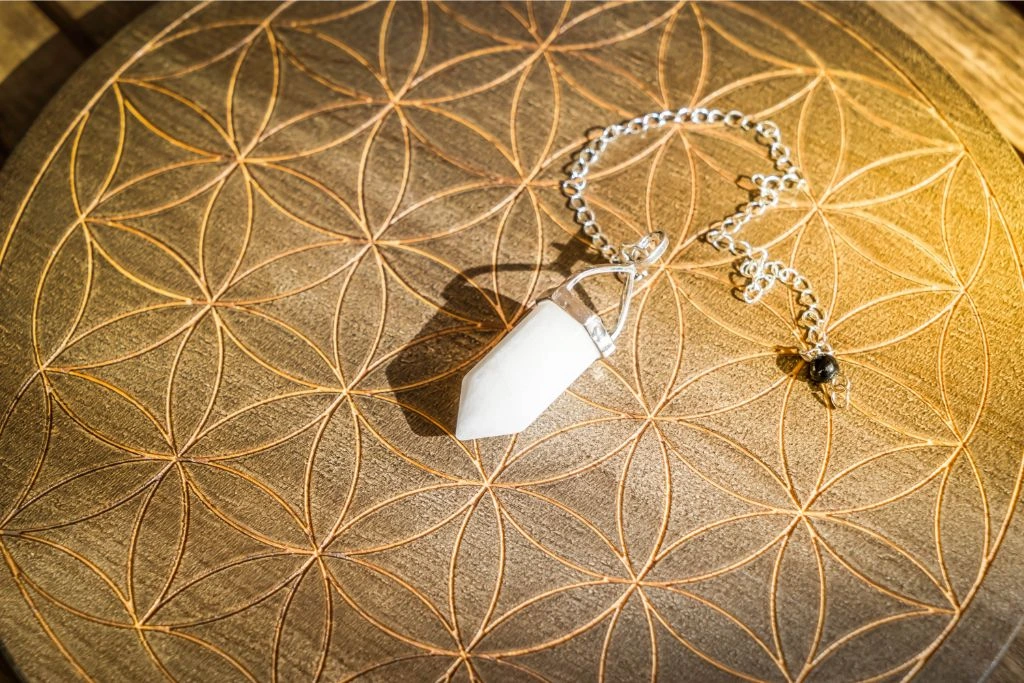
(427, 374)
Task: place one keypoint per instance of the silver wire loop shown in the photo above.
(838, 391)
(643, 253)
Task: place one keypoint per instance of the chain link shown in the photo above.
(753, 264)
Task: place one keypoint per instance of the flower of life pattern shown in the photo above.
(265, 252)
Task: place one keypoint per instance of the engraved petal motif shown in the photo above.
(262, 251)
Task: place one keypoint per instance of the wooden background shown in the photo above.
(975, 43)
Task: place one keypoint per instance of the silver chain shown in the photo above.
(754, 263)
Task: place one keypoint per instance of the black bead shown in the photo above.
(823, 369)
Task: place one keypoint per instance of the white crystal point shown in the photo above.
(524, 373)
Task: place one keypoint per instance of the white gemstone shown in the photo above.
(524, 373)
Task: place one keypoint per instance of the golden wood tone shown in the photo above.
(979, 44)
(253, 248)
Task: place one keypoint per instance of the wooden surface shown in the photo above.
(43, 43)
(26, 84)
(241, 280)
(980, 44)
(977, 42)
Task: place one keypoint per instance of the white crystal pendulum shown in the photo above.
(543, 354)
(521, 376)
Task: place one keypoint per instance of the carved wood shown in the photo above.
(251, 249)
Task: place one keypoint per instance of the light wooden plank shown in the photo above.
(23, 30)
(980, 44)
(77, 9)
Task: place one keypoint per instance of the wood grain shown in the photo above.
(23, 30)
(79, 9)
(252, 248)
(977, 42)
(44, 42)
(26, 84)
(980, 44)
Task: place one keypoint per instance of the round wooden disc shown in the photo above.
(251, 250)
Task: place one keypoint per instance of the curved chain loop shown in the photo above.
(753, 262)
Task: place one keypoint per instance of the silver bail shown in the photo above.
(564, 297)
(635, 259)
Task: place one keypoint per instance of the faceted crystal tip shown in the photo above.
(474, 421)
(524, 373)
(463, 433)
(483, 410)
